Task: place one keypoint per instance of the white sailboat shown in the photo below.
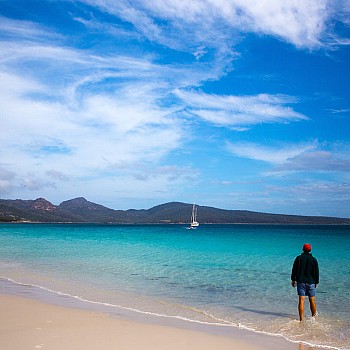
(194, 223)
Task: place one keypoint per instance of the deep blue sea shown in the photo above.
(236, 275)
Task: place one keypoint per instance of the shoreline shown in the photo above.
(28, 306)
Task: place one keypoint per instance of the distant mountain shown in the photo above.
(79, 210)
(91, 212)
(38, 210)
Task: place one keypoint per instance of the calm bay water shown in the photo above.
(235, 275)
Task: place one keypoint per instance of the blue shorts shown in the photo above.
(306, 289)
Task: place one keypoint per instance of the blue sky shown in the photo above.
(236, 104)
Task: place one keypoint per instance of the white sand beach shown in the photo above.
(32, 324)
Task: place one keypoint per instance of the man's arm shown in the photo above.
(293, 276)
(317, 273)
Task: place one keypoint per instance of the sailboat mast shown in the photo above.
(193, 217)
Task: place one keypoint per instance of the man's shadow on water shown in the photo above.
(260, 312)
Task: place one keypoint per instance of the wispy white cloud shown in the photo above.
(289, 158)
(313, 197)
(316, 161)
(240, 111)
(55, 174)
(12, 28)
(306, 20)
(107, 28)
(32, 182)
(341, 110)
(6, 180)
(315, 189)
(273, 155)
(215, 23)
(201, 51)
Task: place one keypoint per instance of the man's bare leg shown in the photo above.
(301, 307)
(312, 301)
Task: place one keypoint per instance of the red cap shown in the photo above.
(307, 247)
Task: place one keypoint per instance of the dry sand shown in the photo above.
(31, 324)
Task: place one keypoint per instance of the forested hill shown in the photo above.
(79, 210)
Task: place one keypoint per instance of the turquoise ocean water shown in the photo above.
(233, 275)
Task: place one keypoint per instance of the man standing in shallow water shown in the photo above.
(305, 272)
